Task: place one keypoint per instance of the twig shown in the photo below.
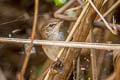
(102, 25)
(106, 23)
(70, 36)
(104, 46)
(16, 20)
(93, 57)
(108, 11)
(105, 1)
(74, 69)
(79, 36)
(116, 62)
(80, 2)
(74, 28)
(78, 69)
(75, 8)
(104, 15)
(58, 13)
(31, 43)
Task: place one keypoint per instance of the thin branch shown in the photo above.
(31, 43)
(93, 57)
(102, 25)
(58, 13)
(80, 2)
(102, 46)
(74, 28)
(13, 21)
(106, 23)
(108, 11)
(18, 19)
(104, 15)
(69, 37)
(78, 69)
(72, 9)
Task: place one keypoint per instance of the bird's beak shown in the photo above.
(59, 25)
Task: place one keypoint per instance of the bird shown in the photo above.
(53, 30)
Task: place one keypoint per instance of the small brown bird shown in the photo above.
(53, 30)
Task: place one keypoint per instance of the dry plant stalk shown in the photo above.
(102, 25)
(95, 31)
(93, 57)
(31, 43)
(69, 38)
(104, 20)
(82, 32)
(111, 9)
(78, 69)
(102, 46)
(74, 28)
(116, 59)
(104, 65)
(58, 13)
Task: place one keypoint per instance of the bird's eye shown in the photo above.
(51, 25)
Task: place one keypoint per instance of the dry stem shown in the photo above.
(58, 14)
(106, 23)
(70, 36)
(31, 43)
(93, 57)
(113, 7)
(102, 46)
(80, 35)
(74, 29)
(101, 24)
